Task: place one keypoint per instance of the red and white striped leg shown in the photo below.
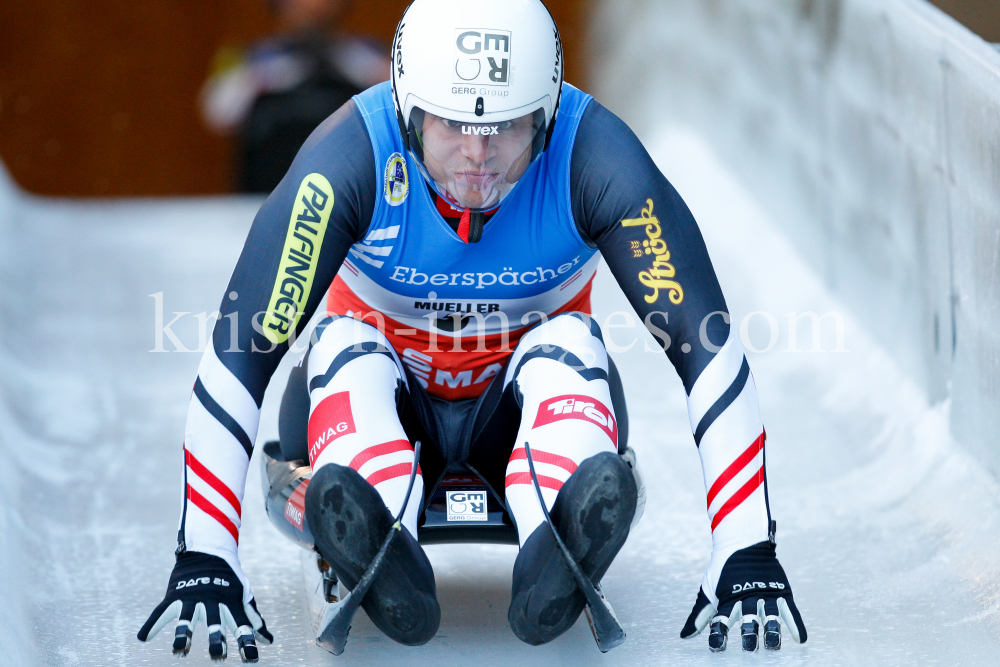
(353, 379)
(560, 368)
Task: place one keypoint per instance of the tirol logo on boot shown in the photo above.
(331, 419)
(584, 408)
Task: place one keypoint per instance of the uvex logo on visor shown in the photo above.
(482, 56)
(481, 129)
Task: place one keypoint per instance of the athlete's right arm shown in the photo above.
(295, 247)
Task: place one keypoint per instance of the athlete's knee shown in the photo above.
(338, 341)
(337, 332)
(571, 327)
(573, 340)
(355, 384)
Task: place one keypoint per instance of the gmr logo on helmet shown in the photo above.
(482, 57)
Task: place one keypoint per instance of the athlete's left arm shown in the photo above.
(625, 207)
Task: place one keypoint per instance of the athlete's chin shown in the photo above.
(477, 182)
(480, 202)
(479, 197)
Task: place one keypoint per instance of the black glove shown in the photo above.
(204, 587)
(752, 586)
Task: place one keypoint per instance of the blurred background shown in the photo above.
(104, 98)
(101, 98)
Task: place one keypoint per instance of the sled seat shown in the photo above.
(463, 508)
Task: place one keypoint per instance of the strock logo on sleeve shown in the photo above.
(573, 406)
(306, 229)
(331, 419)
(660, 275)
(482, 57)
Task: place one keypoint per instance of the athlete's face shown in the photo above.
(477, 164)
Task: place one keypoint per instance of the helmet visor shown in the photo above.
(475, 165)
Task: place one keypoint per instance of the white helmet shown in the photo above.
(476, 85)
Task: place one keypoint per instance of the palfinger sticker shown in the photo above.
(299, 258)
(397, 180)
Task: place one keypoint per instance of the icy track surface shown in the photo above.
(887, 529)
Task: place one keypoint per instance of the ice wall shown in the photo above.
(8, 200)
(19, 643)
(870, 130)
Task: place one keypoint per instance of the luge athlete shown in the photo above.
(455, 216)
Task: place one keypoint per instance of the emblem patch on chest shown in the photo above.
(397, 181)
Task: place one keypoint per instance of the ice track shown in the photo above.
(887, 528)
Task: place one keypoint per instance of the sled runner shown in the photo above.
(603, 621)
(460, 508)
(485, 518)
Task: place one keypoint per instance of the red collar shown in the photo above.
(446, 209)
(450, 212)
